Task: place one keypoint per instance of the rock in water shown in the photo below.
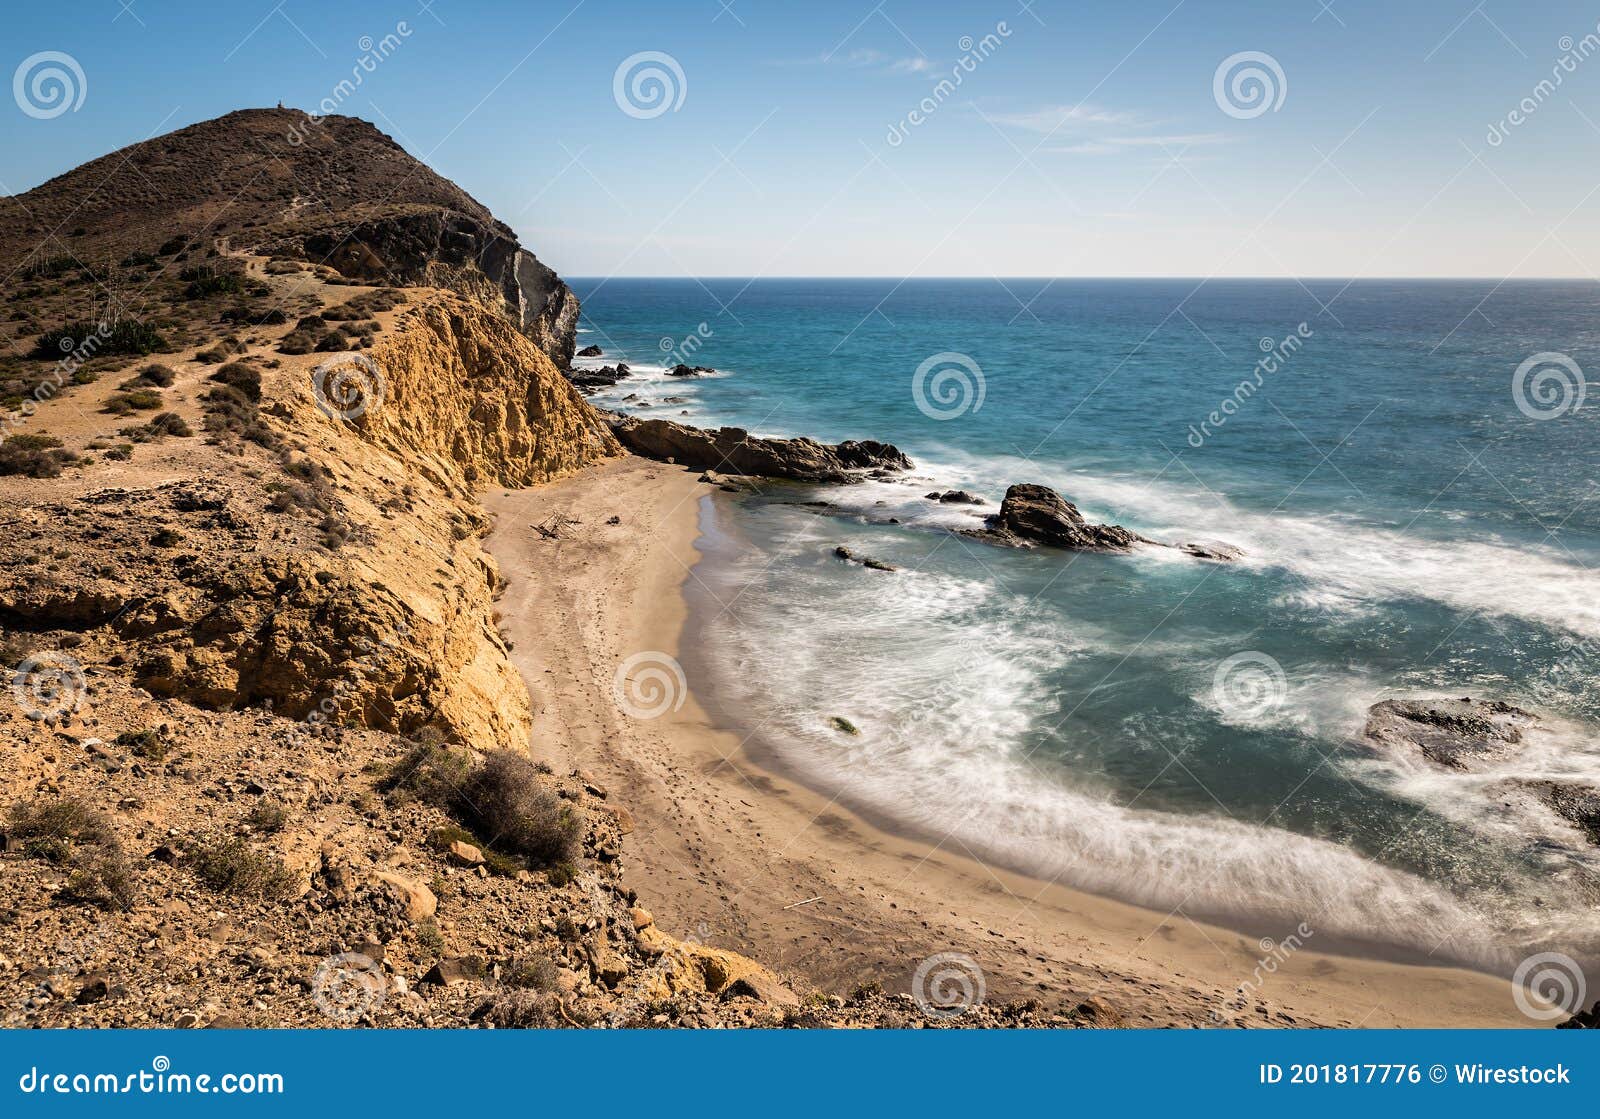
(735, 450)
(1213, 550)
(1579, 805)
(1033, 514)
(1455, 733)
(591, 351)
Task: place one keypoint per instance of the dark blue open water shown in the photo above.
(1149, 726)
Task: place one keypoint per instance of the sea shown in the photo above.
(1409, 469)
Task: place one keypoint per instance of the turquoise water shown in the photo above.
(1151, 727)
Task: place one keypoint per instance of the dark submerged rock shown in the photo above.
(736, 451)
(1033, 514)
(591, 351)
(1459, 734)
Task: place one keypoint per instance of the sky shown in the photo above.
(773, 138)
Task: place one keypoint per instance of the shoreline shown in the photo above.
(729, 848)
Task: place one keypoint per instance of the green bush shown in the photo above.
(34, 456)
(245, 378)
(161, 426)
(149, 743)
(505, 798)
(232, 866)
(139, 400)
(128, 336)
(152, 376)
(297, 342)
(52, 829)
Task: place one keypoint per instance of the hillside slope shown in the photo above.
(332, 191)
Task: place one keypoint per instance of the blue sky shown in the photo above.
(1090, 139)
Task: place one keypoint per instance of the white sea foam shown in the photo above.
(947, 680)
(1345, 563)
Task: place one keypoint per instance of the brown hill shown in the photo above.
(332, 191)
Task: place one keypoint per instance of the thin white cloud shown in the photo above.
(863, 58)
(1111, 145)
(1086, 129)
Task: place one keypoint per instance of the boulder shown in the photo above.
(420, 904)
(1213, 550)
(1579, 805)
(682, 370)
(455, 969)
(736, 451)
(1459, 734)
(1032, 514)
(465, 854)
(603, 378)
(955, 497)
(591, 351)
(761, 986)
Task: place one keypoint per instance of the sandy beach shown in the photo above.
(738, 855)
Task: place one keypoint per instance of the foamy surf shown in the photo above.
(955, 687)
